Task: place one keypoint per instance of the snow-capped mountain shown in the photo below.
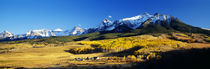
(39, 33)
(57, 32)
(21, 36)
(129, 23)
(140, 21)
(77, 31)
(5, 34)
(136, 21)
(33, 34)
(107, 24)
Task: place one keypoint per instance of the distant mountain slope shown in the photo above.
(39, 33)
(77, 31)
(42, 33)
(182, 27)
(140, 24)
(5, 34)
(174, 25)
(147, 23)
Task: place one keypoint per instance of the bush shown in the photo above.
(85, 50)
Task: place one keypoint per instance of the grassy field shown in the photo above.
(48, 57)
(27, 56)
(38, 57)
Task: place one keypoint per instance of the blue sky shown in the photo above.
(19, 16)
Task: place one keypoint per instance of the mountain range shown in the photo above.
(144, 23)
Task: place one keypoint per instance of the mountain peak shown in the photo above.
(141, 17)
(5, 31)
(6, 34)
(39, 33)
(76, 31)
(76, 28)
(106, 20)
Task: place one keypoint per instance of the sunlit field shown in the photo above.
(119, 52)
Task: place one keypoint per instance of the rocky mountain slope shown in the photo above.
(142, 23)
(5, 34)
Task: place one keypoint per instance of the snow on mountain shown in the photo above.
(131, 22)
(106, 25)
(21, 36)
(158, 16)
(136, 21)
(77, 31)
(5, 34)
(33, 34)
(39, 33)
(141, 17)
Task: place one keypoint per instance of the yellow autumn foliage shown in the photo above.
(124, 43)
(82, 50)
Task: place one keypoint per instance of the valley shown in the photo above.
(50, 57)
(142, 41)
(104, 34)
(61, 56)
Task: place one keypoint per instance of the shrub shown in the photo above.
(85, 50)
